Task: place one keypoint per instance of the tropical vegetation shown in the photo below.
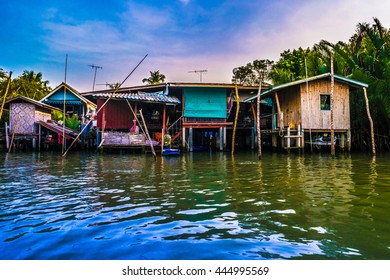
(155, 78)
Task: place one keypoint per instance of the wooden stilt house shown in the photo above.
(302, 111)
(193, 115)
(24, 117)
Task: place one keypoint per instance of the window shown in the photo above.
(325, 102)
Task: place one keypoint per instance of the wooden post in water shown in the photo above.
(147, 134)
(235, 119)
(258, 128)
(6, 136)
(371, 122)
(163, 128)
(332, 146)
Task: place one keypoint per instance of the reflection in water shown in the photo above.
(194, 206)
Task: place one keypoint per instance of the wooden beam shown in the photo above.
(280, 113)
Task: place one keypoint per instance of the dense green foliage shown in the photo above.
(366, 58)
(29, 84)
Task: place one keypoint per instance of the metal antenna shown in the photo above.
(199, 72)
(94, 77)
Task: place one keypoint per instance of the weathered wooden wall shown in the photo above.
(290, 105)
(315, 118)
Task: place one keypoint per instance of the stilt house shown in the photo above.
(302, 110)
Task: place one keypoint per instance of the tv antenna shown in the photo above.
(199, 72)
(94, 77)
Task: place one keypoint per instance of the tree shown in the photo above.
(155, 78)
(252, 73)
(30, 84)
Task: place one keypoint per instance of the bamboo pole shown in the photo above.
(258, 128)
(280, 113)
(235, 119)
(309, 110)
(5, 94)
(104, 104)
(163, 128)
(64, 107)
(371, 122)
(332, 146)
(13, 134)
(147, 134)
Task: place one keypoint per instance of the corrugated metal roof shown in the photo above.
(350, 82)
(141, 96)
(21, 99)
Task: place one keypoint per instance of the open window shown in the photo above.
(325, 102)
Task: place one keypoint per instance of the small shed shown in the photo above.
(25, 113)
(75, 103)
(303, 107)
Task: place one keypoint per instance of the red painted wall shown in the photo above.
(117, 113)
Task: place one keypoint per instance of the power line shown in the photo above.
(199, 72)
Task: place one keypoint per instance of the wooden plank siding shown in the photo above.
(290, 105)
(315, 118)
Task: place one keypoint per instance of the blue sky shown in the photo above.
(178, 35)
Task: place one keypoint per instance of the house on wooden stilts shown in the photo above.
(127, 117)
(301, 114)
(26, 117)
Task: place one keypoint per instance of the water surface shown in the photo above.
(195, 206)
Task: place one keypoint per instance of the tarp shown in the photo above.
(205, 103)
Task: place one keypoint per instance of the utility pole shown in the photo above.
(94, 77)
(199, 72)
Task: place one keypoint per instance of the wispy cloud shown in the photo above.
(185, 35)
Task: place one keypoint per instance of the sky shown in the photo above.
(179, 36)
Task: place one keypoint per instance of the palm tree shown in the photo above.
(30, 84)
(155, 78)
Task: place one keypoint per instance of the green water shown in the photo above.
(194, 206)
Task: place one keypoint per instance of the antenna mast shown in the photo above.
(199, 72)
(94, 77)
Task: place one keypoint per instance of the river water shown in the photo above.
(194, 206)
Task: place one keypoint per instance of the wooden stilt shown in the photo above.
(13, 134)
(6, 136)
(39, 137)
(332, 146)
(235, 119)
(371, 122)
(258, 127)
(190, 140)
(221, 139)
(163, 128)
(183, 139)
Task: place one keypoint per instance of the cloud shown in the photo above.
(185, 2)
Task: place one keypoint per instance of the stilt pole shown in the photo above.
(235, 119)
(371, 122)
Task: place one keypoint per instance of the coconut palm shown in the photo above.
(155, 78)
